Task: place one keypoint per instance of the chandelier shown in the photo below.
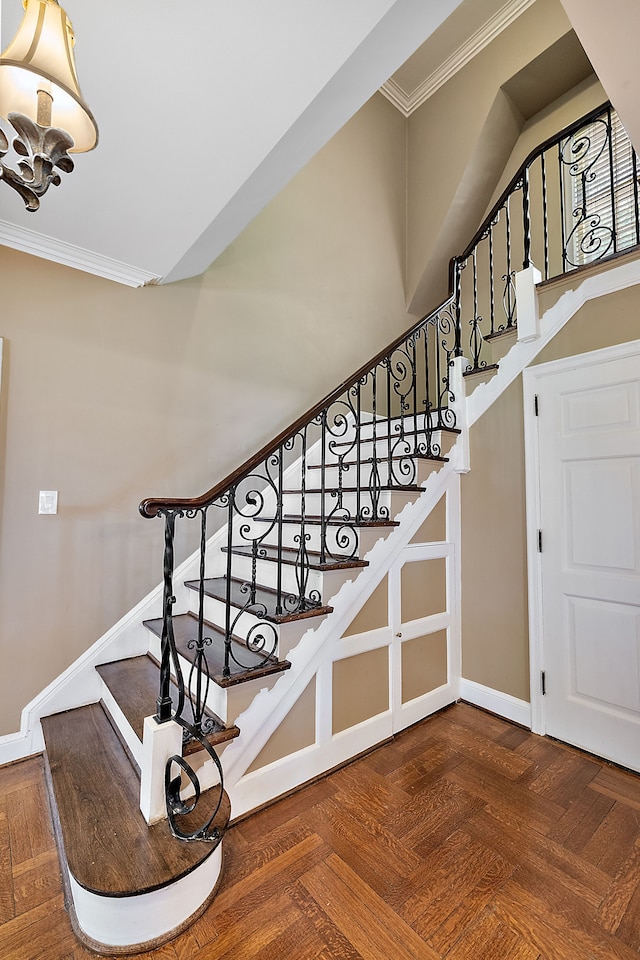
(40, 99)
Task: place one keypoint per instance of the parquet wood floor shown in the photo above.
(466, 838)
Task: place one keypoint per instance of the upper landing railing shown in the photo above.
(573, 201)
(298, 505)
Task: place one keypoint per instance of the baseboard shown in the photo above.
(17, 746)
(502, 704)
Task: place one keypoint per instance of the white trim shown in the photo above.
(530, 380)
(137, 920)
(407, 103)
(314, 656)
(68, 254)
(502, 704)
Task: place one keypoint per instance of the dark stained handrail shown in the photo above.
(151, 506)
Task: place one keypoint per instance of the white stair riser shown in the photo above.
(288, 634)
(407, 470)
(393, 501)
(354, 541)
(399, 445)
(325, 582)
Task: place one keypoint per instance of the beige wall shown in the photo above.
(459, 143)
(495, 645)
(111, 394)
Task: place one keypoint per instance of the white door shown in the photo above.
(589, 489)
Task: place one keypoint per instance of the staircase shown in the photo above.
(162, 719)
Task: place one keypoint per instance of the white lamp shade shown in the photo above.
(40, 56)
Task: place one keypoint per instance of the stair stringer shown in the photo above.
(316, 651)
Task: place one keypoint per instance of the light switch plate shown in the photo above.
(48, 501)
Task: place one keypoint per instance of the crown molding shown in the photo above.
(407, 103)
(40, 245)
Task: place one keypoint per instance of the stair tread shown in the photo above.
(185, 628)
(380, 459)
(401, 488)
(289, 555)
(333, 521)
(267, 596)
(134, 684)
(473, 371)
(497, 334)
(420, 431)
(110, 849)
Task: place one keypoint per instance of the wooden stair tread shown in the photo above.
(267, 596)
(185, 628)
(290, 554)
(400, 488)
(381, 459)
(394, 436)
(475, 371)
(110, 849)
(497, 334)
(333, 521)
(134, 684)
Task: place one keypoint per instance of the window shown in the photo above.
(601, 170)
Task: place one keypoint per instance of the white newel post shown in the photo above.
(527, 304)
(159, 742)
(459, 407)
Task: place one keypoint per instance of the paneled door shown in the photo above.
(589, 515)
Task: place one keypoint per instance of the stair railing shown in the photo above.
(297, 505)
(574, 201)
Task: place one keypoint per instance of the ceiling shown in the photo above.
(202, 121)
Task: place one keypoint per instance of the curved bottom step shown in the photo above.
(132, 885)
(117, 926)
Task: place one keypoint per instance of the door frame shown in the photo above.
(531, 379)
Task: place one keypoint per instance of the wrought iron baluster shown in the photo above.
(614, 225)
(475, 340)
(563, 232)
(168, 654)
(323, 469)
(226, 670)
(526, 219)
(199, 666)
(456, 299)
(509, 299)
(636, 208)
(415, 387)
(428, 404)
(492, 278)
(280, 529)
(302, 559)
(358, 429)
(387, 367)
(545, 214)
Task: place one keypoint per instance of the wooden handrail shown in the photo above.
(151, 506)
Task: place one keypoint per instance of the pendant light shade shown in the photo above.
(38, 68)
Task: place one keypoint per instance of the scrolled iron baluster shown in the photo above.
(578, 155)
(177, 807)
(261, 638)
(446, 326)
(509, 300)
